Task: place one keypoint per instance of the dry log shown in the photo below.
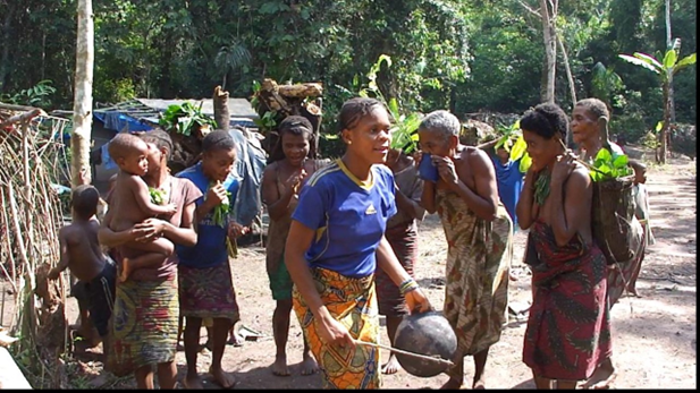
(221, 113)
(16, 108)
(301, 90)
(26, 116)
(269, 94)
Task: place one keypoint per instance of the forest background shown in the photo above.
(464, 55)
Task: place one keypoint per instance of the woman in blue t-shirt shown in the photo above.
(335, 243)
(204, 275)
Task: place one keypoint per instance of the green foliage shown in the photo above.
(669, 64)
(542, 189)
(514, 143)
(404, 135)
(185, 118)
(221, 211)
(650, 140)
(404, 132)
(466, 56)
(115, 90)
(609, 167)
(157, 196)
(267, 121)
(606, 85)
(37, 95)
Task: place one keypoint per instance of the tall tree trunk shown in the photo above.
(669, 45)
(569, 74)
(82, 105)
(572, 86)
(550, 45)
(663, 137)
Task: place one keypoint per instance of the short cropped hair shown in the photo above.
(546, 120)
(218, 140)
(84, 200)
(596, 107)
(123, 145)
(442, 122)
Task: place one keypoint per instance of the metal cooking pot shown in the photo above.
(428, 334)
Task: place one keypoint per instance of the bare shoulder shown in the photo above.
(94, 225)
(473, 154)
(127, 179)
(580, 177)
(70, 233)
(475, 158)
(269, 169)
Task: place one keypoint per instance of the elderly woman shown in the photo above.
(589, 116)
(144, 322)
(479, 235)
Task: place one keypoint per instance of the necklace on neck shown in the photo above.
(542, 187)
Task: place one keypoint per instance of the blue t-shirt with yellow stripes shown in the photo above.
(349, 217)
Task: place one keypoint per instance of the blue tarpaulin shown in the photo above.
(117, 121)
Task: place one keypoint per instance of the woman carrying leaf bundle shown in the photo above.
(292, 160)
(591, 116)
(568, 330)
(587, 119)
(206, 285)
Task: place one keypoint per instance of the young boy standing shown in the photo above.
(81, 252)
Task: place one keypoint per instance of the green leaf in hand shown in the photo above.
(157, 196)
(221, 211)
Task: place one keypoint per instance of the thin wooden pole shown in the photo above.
(407, 353)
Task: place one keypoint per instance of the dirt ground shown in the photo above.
(654, 336)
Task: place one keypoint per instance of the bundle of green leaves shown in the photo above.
(606, 166)
(157, 196)
(514, 143)
(404, 132)
(185, 118)
(221, 211)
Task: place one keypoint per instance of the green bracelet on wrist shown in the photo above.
(408, 286)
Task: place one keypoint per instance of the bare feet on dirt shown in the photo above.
(392, 366)
(452, 384)
(279, 367)
(602, 377)
(192, 382)
(309, 365)
(222, 378)
(479, 384)
(634, 293)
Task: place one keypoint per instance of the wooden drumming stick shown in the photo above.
(413, 354)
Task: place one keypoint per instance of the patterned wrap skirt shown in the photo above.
(353, 303)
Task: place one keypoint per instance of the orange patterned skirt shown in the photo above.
(352, 301)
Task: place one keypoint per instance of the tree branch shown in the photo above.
(529, 9)
(26, 116)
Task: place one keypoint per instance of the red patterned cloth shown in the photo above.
(568, 331)
(208, 292)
